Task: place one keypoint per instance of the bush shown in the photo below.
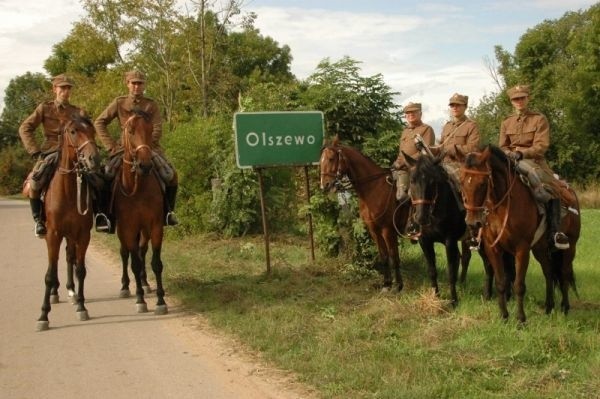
(15, 164)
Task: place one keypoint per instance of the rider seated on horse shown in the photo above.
(460, 132)
(52, 115)
(525, 138)
(122, 108)
(408, 145)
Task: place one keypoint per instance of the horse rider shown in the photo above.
(461, 132)
(525, 138)
(52, 115)
(408, 145)
(122, 108)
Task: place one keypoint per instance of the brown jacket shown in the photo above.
(52, 116)
(407, 142)
(463, 133)
(122, 108)
(528, 134)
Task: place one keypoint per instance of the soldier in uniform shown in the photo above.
(52, 116)
(400, 169)
(525, 137)
(122, 108)
(460, 132)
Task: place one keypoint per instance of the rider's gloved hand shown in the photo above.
(515, 155)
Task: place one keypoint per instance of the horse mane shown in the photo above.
(141, 113)
(430, 166)
(498, 158)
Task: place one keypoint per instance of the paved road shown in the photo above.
(117, 353)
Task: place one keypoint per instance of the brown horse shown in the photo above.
(138, 206)
(67, 204)
(378, 207)
(503, 207)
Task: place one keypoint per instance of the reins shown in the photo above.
(134, 162)
(79, 169)
(506, 197)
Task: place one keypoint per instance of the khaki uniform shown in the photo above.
(122, 108)
(407, 143)
(52, 116)
(529, 134)
(463, 133)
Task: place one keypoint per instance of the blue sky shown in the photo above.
(426, 50)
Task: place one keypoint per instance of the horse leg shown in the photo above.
(391, 242)
(427, 248)
(521, 264)
(144, 275)
(70, 256)
(136, 267)
(453, 258)
(81, 272)
(157, 268)
(544, 258)
(50, 280)
(488, 281)
(563, 263)
(465, 259)
(125, 293)
(495, 260)
(383, 259)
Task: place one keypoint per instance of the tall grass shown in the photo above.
(329, 323)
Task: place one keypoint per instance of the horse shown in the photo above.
(503, 207)
(67, 205)
(441, 219)
(138, 206)
(378, 207)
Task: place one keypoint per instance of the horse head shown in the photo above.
(333, 166)
(427, 177)
(137, 142)
(476, 181)
(79, 144)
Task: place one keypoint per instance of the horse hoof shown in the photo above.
(161, 309)
(71, 293)
(54, 298)
(42, 326)
(124, 294)
(141, 307)
(83, 315)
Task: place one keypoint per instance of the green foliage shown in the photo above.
(15, 163)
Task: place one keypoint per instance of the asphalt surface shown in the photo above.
(117, 353)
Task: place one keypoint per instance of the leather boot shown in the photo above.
(104, 224)
(559, 239)
(38, 216)
(170, 195)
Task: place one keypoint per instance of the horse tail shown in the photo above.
(563, 271)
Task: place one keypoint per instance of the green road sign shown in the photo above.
(278, 138)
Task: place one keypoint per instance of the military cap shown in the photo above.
(135, 76)
(518, 91)
(412, 107)
(458, 99)
(62, 80)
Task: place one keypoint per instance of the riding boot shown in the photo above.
(104, 222)
(38, 216)
(559, 239)
(170, 195)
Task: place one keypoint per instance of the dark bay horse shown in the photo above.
(376, 200)
(441, 219)
(138, 206)
(499, 203)
(68, 207)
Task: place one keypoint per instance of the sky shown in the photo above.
(425, 50)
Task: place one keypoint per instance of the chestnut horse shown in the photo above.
(376, 200)
(68, 208)
(441, 219)
(138, 206)
(503, 207)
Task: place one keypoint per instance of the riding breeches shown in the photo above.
(541, 179)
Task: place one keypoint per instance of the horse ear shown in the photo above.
(409, 160)
(336, 140)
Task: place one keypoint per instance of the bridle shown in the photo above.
(483, 209)
(80, 168)
(426, 202)
(132, 152)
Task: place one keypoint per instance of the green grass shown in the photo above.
(329, 323)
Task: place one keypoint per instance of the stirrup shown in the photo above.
(561, 241)
(171, 219)
(39, 229)
(102, 222)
